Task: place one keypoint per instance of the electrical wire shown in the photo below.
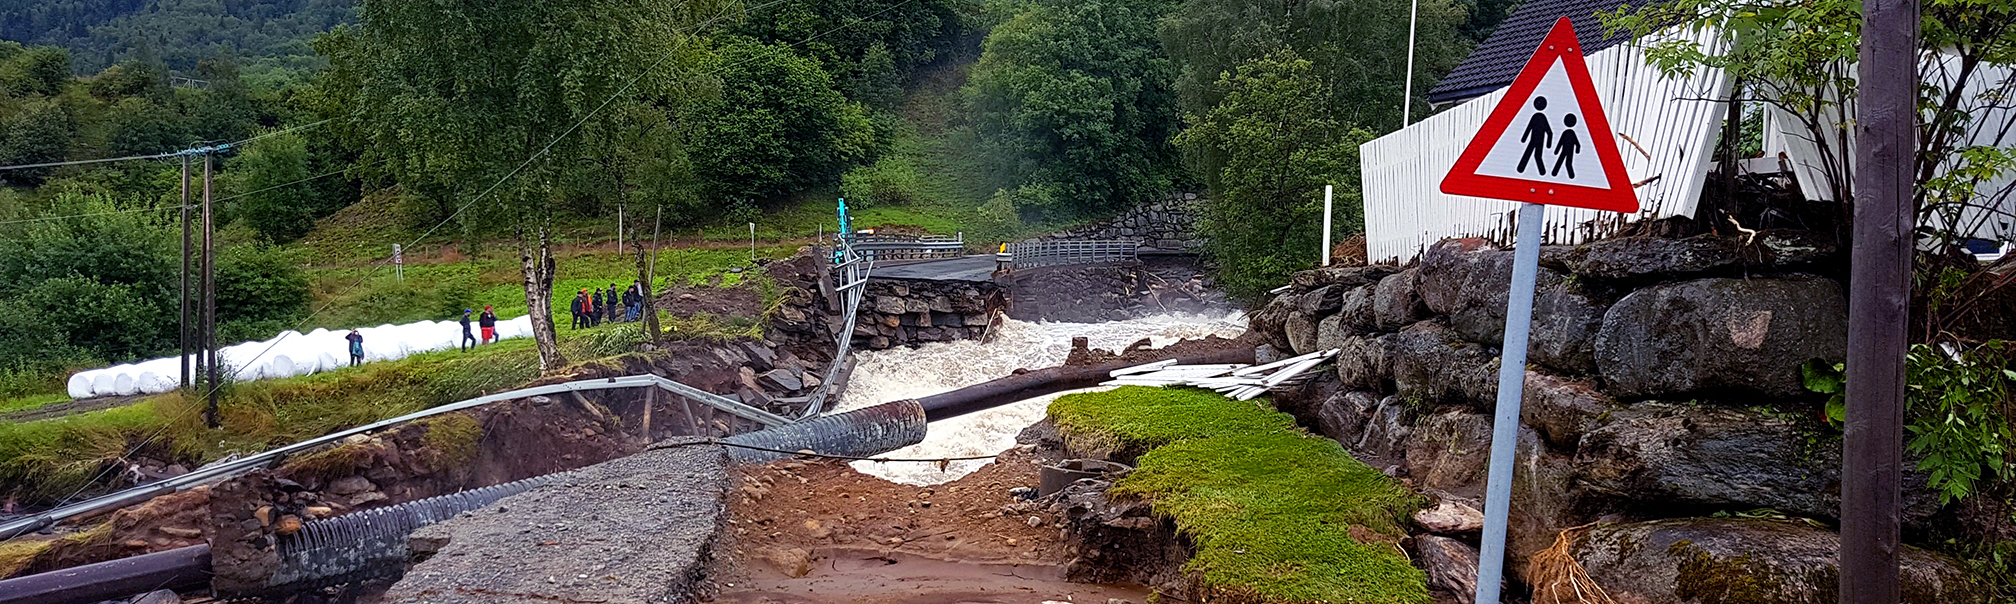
(89, 214)
(90, 161)
(217, 200)
(486, 192)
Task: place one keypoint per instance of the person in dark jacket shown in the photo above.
(615, 310)
(356, 347)
(468, 337)
(580, 309)
(488, 321)
(595, 310)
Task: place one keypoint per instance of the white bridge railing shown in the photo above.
(1032, 254)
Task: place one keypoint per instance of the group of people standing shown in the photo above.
(592, 306)
(488, 323)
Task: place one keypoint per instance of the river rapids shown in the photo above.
(881, 376)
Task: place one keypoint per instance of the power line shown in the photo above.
(87, 215)
(164, 208)
(90, 161)
(192, 151)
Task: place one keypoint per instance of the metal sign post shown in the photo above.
(1555, 109)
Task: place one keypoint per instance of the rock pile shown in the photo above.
(1663, 387)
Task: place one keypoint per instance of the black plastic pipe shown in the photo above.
(1022, 387)
(172, 569)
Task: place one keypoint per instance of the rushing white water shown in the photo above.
(881, 376)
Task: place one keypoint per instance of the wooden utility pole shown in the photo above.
(210, 416)
(1879, 299)
(183, 331)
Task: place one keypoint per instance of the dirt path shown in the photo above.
(70, 407)
(818, 533)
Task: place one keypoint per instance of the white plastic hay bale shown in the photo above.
(125, 384)
(80, 384)
(281, 366)
(151, 382)
(102, 384)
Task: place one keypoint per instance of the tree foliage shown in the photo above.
(1267, 152)
(778, 126)
(1074, 104)
(843, 36)
(1358, 48)
(101, 33)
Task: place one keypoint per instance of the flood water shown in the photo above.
(881, 376)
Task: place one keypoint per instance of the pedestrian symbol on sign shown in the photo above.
(1559, 122)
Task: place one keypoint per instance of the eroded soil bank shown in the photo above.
(821, 532)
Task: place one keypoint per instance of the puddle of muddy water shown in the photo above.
(895, 374)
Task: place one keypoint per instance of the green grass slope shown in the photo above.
(1277, 514)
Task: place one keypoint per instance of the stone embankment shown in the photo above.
(1664, 388)
(1169, 223)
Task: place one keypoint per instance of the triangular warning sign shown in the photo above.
(1547, 141)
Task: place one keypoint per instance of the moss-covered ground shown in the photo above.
(1272, 509)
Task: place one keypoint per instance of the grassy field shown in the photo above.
(50, 459)
(351, 296)
(1277, 514)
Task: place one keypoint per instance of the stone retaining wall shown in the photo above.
(1663, 387)
(1112, 292)
(1168, 223)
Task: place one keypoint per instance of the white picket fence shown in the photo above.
(1665, 126)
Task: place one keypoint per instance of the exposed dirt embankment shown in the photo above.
(820, 532)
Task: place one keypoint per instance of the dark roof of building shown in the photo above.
(1495, 62)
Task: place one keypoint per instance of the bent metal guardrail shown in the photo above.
(223, 470)
(1032, 254)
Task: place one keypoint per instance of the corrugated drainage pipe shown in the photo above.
(858, 433)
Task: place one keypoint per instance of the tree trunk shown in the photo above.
(536, 262)
(644, 275)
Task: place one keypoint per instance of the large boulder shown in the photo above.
(1357, 309)
(1342, 416)
(1451, 566)
(1467, 280)
(1448, 453)
(1648, 257)
(1432, 364)
(1362, 363)
(1397, 302)
(1711, 335)
(1383, 442)
(1270, 320)
(1565, 322)
(1707, 455)
(1348, 276)
(1546, 500)
(1644, 258)
(1301, 332)
(1562, 409)
(1731, 560)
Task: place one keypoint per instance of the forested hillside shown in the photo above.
(100, 33)
(517, 125)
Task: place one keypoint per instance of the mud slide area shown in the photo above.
(823, 533)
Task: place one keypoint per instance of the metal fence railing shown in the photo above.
(904, 247)
(1032, 254)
